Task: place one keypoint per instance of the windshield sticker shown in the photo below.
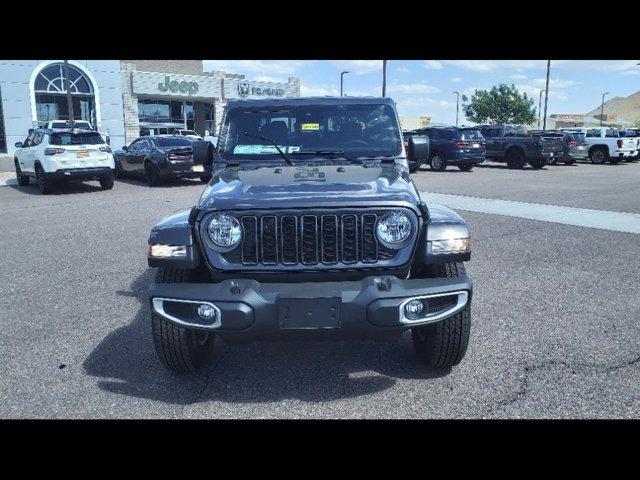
(309, 127)
(262, 149)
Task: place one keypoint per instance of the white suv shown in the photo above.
(58, 156)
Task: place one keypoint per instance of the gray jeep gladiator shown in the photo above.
(310, 227)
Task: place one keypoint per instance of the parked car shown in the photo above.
(572, 144)
(311, 227)
(463, 147)
(632, 133)
(57, 156)
(159, 158)
(410, 138)
(511, 144)
(187, 133)
(606, 145)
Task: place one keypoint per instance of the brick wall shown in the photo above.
(129, 103)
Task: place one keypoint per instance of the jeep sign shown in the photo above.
(174, 86)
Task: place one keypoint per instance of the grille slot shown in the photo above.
(340, 238)
(269, 240)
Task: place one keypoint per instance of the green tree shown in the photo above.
(501, 104)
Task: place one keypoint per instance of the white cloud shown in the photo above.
(262, 66)
(433, 65)
(412, 88)
(402, 69)
(447, 104)
(269, 78)
(490, 66)
(631, 72)
(359, 66)
(456, 79)
(533, 91)
(318, 90)
(554, 83)
(518, 76)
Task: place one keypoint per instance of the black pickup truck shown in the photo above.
(512, 145)
(311, 226)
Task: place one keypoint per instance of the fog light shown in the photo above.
(206, 312)
(414, 308)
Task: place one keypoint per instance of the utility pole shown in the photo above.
(342, 81)
(540, 108)
(67, 87)
(457, 105)
(546, 97)
(384, 78)
(602, 108)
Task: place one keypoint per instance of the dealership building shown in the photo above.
(123, 99)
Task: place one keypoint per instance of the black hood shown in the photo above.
(233, 188)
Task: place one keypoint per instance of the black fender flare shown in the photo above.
(175, 230)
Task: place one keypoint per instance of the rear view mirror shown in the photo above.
(418, 147)
(124, 148)
(18, 144)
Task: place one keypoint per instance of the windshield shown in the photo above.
(173, 142)
(79, 125)
(88, 138)
(357, 130)
(471, 135)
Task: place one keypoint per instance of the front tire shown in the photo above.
(437, 162)
(466, 167)
(179, 349)
(23, 180)
(444, 344)
(414, 166)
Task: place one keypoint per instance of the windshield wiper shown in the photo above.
(324, 153)
(265, 139)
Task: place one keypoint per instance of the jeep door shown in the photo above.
(26, 154)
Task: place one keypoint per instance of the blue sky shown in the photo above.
(424, 87)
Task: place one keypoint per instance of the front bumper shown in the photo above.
(249, 310)
(80, 174)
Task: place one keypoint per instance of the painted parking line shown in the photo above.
(580, 217)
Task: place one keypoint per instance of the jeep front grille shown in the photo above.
(339, 239)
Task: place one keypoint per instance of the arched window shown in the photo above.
(51, 80)
(50, 94)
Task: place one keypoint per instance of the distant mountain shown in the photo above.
(627, 108)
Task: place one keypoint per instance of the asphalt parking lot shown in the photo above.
(555, 315)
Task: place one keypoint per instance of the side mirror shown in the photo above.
(418, 147)
(125, 148)
(18, 144)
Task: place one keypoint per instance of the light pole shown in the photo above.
(457, 105)
(342, 81)
(602, 108)
(67, 87)
(540, 108)
(384, 78)
(546, 96)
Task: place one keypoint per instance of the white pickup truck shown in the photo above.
(605, 144)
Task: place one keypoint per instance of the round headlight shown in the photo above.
(393, 229)
(224, 230)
